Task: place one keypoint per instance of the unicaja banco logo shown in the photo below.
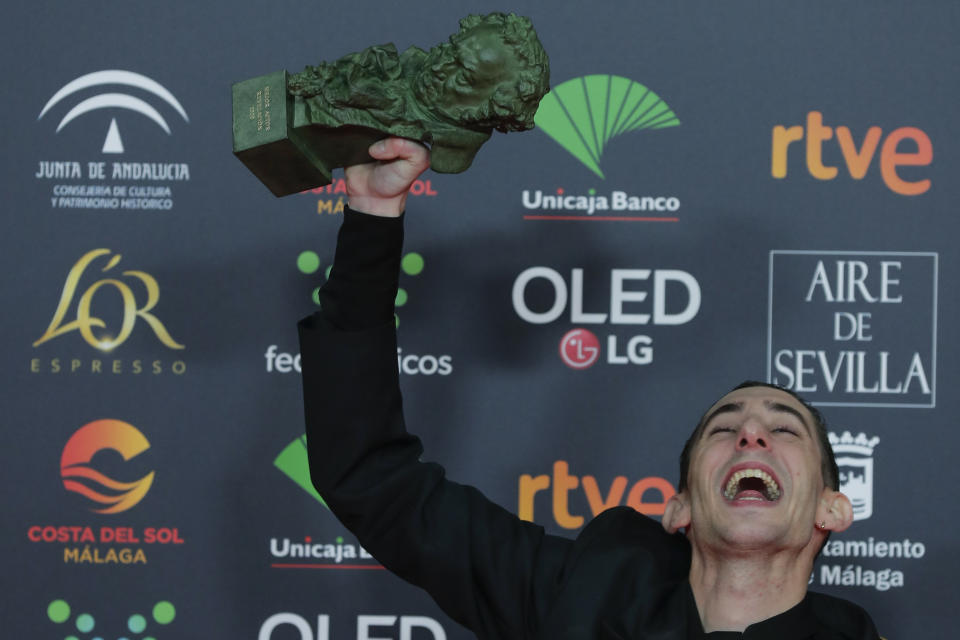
(59, 612)
(855, 461)
(114, 100)
(308, 262)
(584, 114)
(103, 493)
(132, 310)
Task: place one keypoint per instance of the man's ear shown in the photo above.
(834, 511)
(676, 514)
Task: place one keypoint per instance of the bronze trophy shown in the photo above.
(293, 130)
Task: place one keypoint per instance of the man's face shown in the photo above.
(755, 478)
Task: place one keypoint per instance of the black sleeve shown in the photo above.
(486, 568)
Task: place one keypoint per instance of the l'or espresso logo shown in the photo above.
(854, 328)
(100, 465)
(138, 293)
(637, 297)
(138, 184)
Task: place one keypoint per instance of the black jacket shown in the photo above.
(623, 577)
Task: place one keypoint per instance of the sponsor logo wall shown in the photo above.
(748, 201)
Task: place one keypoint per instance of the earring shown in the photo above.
(820, 525)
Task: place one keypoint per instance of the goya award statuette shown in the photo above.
(293, 130)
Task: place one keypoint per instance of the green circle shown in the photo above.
(85, 622)
(149, 638)
(401, 298)
(315, 296)
(396, 320)
(592, 191)
(137, 623)
(71, 638)
(58, 611)
(308, 262)
(412, 264)
(163, 612)
(326, 272)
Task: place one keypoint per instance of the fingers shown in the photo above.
(404, 149)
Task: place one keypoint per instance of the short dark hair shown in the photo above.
(828, 462)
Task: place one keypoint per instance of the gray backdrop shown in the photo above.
(828, 264)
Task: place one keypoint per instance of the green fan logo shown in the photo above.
(293, 462)
(584, 114)
(308, 262)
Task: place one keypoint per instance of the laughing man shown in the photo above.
(731, 558)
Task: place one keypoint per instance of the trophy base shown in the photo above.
(285, 157)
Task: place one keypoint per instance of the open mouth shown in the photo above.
(751, 483)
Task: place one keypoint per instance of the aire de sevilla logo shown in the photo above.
(103, 493)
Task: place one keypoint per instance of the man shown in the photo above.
(758, 488)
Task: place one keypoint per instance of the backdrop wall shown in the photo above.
(717, 192)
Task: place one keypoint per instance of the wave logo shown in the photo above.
(293, 462)
(106, 494)
(308, 262)
(112, 100)
(584, 114)
(59, 612)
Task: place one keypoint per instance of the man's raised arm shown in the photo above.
(486, 569)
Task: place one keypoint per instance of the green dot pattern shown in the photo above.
(326, 272)
(164, 613)
(401, 297)
(71, 638)
(412, 264)
(315, 296)
(137, 623)
(85, 622)
(308, 262)
(58, 611)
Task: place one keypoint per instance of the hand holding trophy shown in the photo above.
(292, 130)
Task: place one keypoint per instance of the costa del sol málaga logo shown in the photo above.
(584, 114)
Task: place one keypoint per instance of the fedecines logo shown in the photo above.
(85, 321)
(104, 494)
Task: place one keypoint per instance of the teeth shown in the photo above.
(773, 491)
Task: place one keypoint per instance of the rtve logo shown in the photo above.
(916, 151)
(648, 495)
